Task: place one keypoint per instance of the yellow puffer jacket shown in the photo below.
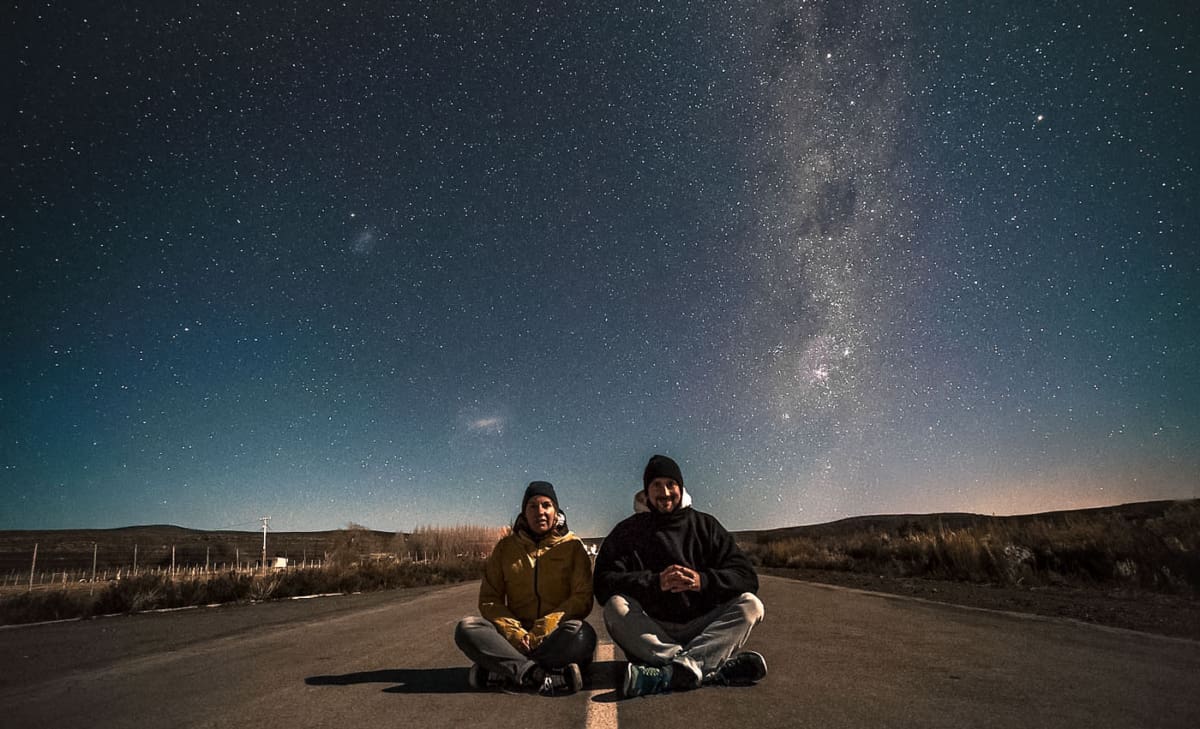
(528, 587)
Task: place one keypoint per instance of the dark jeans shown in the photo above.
(574, 641)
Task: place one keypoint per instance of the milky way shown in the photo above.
(835, 228)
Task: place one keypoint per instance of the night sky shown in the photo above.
(386, 262)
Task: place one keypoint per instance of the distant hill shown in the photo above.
(904, 524)
(1152, 545)
(70, 549)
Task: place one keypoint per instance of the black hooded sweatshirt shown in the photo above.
(643, 545)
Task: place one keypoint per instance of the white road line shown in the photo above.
(602, 714)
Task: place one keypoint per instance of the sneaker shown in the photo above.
(480, 678)
(741, 669)
(555, 683)
(646, 680)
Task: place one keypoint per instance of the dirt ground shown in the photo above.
(1173, 615)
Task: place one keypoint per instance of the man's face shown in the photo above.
(664, 494)
(540, 514)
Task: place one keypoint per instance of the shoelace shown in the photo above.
(550, 685)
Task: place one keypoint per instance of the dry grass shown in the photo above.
(462, 540)
(355, 565)
(1105, 548)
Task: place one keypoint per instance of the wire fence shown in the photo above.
(67, 579)
(33, 580)
(65, 561)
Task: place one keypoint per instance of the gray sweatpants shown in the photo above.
(701, 645)
(573, 641)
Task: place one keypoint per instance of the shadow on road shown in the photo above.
(598, 676)
(405, 680)
(604, 675)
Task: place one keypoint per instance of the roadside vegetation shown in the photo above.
(444, 555)
(1153, 546)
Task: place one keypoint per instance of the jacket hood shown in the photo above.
(552, 539)
(640, 505)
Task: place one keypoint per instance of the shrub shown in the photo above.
(1115, 548)
(150, 592)
(32, 607)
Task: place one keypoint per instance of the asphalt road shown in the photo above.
(837, 658)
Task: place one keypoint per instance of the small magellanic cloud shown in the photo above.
(493, 424)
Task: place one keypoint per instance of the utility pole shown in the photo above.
(264, 520)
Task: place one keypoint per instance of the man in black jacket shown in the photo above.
(677, 592)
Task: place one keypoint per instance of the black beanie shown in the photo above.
(661, 467)
(540, 488)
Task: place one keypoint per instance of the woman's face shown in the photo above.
(540, 514)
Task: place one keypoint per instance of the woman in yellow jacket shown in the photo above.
(536, 592)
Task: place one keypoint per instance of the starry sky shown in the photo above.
(386, 262)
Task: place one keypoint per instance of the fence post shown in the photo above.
(33, 567)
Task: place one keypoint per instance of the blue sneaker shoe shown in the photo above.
(646, 680)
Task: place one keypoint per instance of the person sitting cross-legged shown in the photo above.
(535, 594)
(678, 594)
